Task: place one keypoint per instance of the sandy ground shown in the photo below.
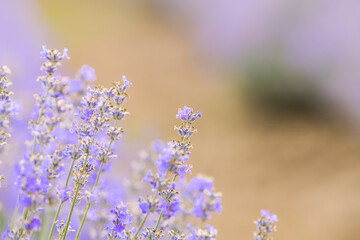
(306, 171)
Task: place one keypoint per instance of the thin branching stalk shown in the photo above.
(92, 190)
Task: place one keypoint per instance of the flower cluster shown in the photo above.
(7, 108)
(174, 155)
(167, 206)
(54, 57)
(265, 225)
(98, 108)
(86, 74)
(121, 220)
(61, 177)
(208, 233)
(200, 191)
(41, 163)
(40, 170)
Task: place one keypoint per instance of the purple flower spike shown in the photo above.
(34, 224)
(73, 128)
(126, 82)
(65, 54)
(54, 55)
(271, 216)
(265, 225)
(86, 74)
(4, 71)
(187, 114)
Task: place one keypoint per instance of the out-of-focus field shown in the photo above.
(305, 170)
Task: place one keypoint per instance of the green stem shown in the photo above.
(45, 226)
(144, 220)
(60, 204)
(71, 211)
(146, 216)
(93, 139)
(69, 174)
(141, 226)
(92, 190)
(162, 212)
(55, 219)
(83, 221)
(25, 214)
(89, 204)
(77, 191)
(158, 221)
(98, 177)
(16, 213)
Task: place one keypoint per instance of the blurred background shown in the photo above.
(277, 82)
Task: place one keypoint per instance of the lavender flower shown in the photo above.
(169, 203)
(206, 203)
(121, 219)
(146, 205)
(174, 156)
(4, 71)
(54, 57)
(200, 192)
(199, 184)
(209, 233)
(176, 235)
(265, 225)
(171, 163)
(33, 224)
(60, 228)
(7, 109)
(187, 114)
(105, 196)
(96, 110)
(152, 234)
(172, 159)
(86, 74)
(73, 128)
(40, 163)
(64, 194)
